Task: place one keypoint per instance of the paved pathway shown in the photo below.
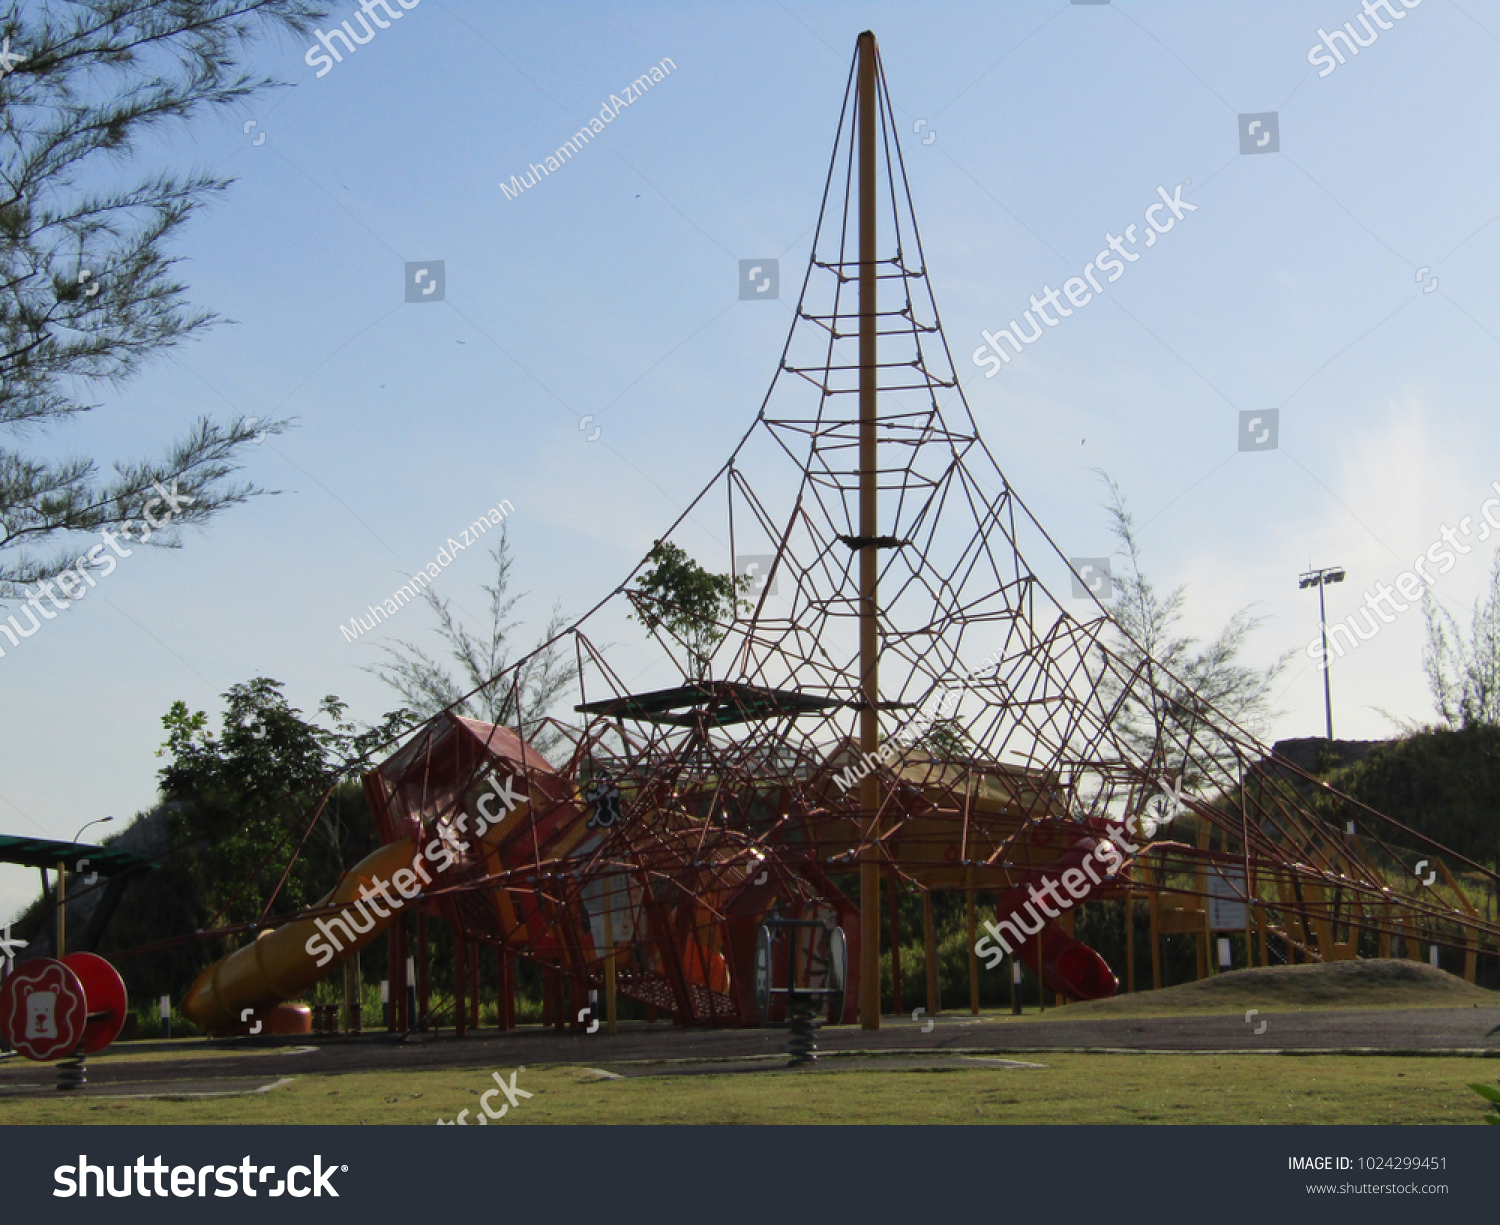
(205, 1068)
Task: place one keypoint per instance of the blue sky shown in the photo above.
(610, 290)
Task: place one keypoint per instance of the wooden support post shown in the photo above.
(390, 976)
(973, 929)
(460, 984)
(353, 996)
(611, 996)
(62, 908)
(1203, 941)
(1129, 942)
(929, 940)
(474, 984)
(611, 1021)
(46, 884)
(502, 989)
(548, 996)
(869, 554)
(1065, 921)
(424, 1005)
(893, 901)
(400, 976)
(1155, 915)
(1471, 960)
(1041, 987)
(1317, 920)
(397, 972)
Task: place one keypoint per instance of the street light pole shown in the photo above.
(90, 825)
(1327, 689)
(62, 890)
(1321, 578)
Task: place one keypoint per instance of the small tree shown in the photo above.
(677, 594)
(1159, 717)
(946, 738)
(89, 291)
(269, 762)
(237, 803)
(520, 697)
(1464, 677)
(266, 748)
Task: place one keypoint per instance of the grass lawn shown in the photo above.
(1369, 984)
(1126, 1089)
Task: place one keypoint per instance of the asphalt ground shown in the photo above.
(198, 1068)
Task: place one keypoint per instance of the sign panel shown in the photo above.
(43, 1009)
(1227, 910)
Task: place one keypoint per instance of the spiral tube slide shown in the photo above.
(277, 966)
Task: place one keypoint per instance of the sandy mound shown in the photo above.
(1346, 984)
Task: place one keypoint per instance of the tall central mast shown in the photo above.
(869, 530)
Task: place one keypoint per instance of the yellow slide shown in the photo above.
(278, 966)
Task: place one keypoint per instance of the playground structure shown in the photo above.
(63, 1010)
(902, 702)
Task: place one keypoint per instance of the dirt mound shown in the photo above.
(1382, 982)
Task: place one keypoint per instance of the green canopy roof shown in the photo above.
(717, 702)
(44, 853)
